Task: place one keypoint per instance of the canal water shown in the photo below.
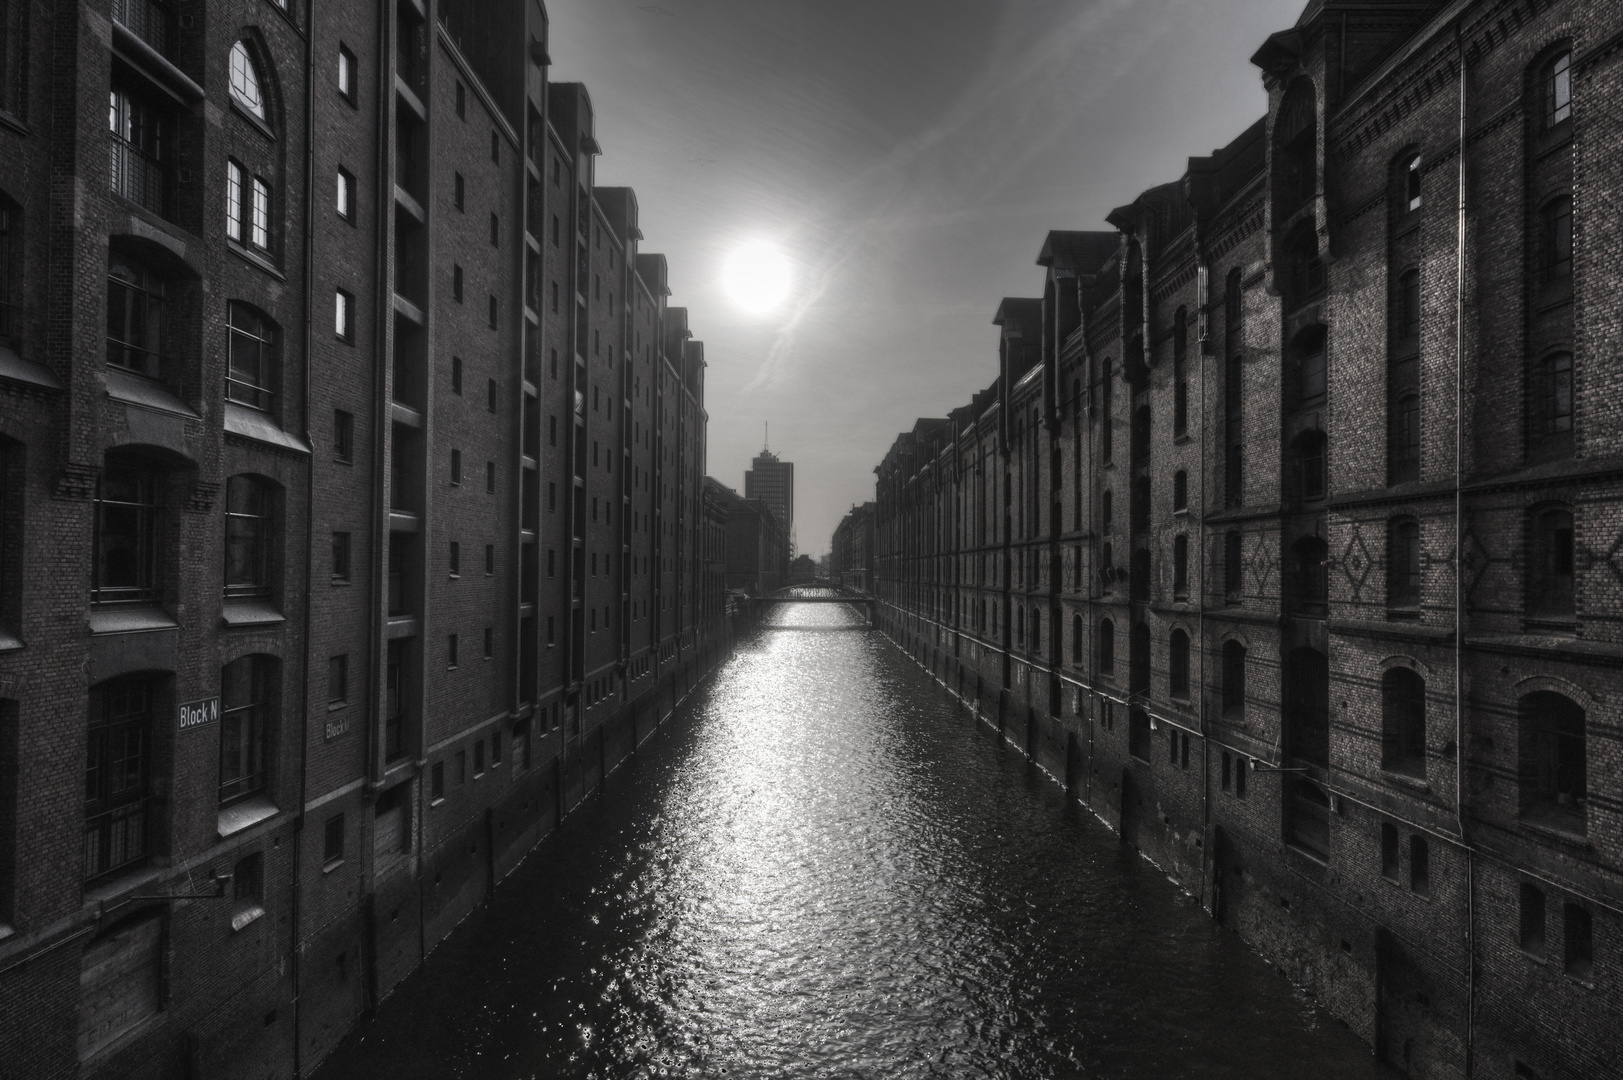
(823, 867)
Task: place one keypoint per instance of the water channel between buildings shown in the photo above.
(824, 867)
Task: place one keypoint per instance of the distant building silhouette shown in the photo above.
(773, 482)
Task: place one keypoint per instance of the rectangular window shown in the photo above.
(490, 389)
(456, 374)
(458, 190)
(247, 890)
(456, 282)
(461, 100)
(495, 231)
(1419, 865)
(1579, 940)
(340, 556)
(1180, 566)
(436, 782)
(456, 559)
(140, 134)
(496, 147)
(1389, 852)
(495, 748)
(479, 758)
(450, 650)
(490, 477)
(117, 775)
(460, 773)
(490, 642)
(246, 694)
(337, 679)
(1228, 771)
(348, 76)
(233, 201)
(344, 316)
(344, 200)
(332, 849)
(490, 559)
(493, 314)
(127, 522)
(551, 638)
(1531, 933)
(456, 466)
(259, 233)
(343, 436)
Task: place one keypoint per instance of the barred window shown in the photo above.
(1558, 90)
(248, 536)
(245, 83)
(252, 368)
(246, 695)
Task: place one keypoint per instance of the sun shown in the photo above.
(756, 276)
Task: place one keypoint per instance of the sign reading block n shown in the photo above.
(197, 713)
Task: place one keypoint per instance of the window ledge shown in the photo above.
(1405, 779)
(242, 918)
(260, 125)
(1557, 823)
(233, 819)
(9, 641)
(14, 368)
(254, 259)
(329, 867)
(134, 390)
(260, 427)
(250, 613)
(112, 619)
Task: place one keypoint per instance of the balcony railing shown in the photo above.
(136, 175)
(147, 20)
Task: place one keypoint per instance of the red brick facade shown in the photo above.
(1194, 548)
(351, 509)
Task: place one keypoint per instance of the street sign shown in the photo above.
(197, 713)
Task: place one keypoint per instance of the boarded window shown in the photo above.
(118, 984)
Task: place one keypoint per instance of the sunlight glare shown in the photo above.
(756, 276)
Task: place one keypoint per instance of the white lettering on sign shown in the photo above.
(197, 713)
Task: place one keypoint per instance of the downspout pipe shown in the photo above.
(294, 915)
(1459, 566)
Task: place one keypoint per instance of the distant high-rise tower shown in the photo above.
(773, 482)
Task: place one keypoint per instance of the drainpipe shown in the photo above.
(309, 510)
(1459, 573)
(1204, 273)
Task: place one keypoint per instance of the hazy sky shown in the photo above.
(909, 156)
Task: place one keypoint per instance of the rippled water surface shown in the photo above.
(822, 867)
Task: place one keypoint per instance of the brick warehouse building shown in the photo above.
(1193, 548)
(352, 521)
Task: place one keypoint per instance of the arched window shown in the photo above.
(1180, 490)
(1407, 305)
(1107, 648)
(247, 712)
(1178, 664)
(1180, 566)
(1410, 173)
(1076, 639)
(1107, 564)
(252, 371)
(1550, 584)
(1140, 509)
(1403, 722)
(1557, 82)
(1308, 467)
(245, 82)
(1233, 566)
(1307, 706)
(135, 317)
(1307, 817)
(1107, 433)
(1234, 431)
(118, 772)
(249, 537)
(1552, 405)
(1403, 436)
(1309, 370)
(1296, 140)
(1403, 563)
(128, 522)
(1233, 679)
(1554, 758)
(1309, 575)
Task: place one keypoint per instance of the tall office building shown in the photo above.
(773, 482)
